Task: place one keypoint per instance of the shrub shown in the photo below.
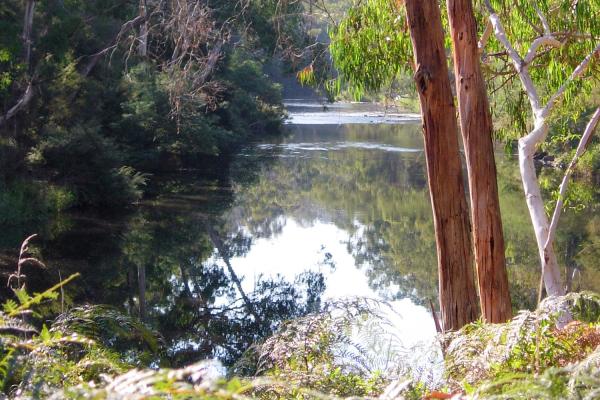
(90, 165)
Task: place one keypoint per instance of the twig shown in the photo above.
(23, 259)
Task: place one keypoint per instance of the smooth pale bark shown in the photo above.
(21, 104)
(581, 148)
(143, 46)
(535, 205)
(28, 31)
(476, 128)
(26, 36)
(458, 300)
(28, 94)
(529, 143)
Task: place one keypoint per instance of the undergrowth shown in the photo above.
(529, 357)
(348, 350)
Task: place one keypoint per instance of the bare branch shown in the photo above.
(581, 148)
(542, 19)
(577, 73)
(95, 58)
(583, 143)
(27, 31)
(21, 103)
(518, 62)
(223, 253)
(547, 40)
(485, 36)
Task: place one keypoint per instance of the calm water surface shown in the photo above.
(338, 208)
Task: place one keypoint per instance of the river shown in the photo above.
(337, 208)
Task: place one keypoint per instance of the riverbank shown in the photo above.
(339, 352)
(297, 216)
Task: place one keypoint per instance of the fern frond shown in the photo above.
(198, 381)
(107, 325)
(14, 326)
(37, 298)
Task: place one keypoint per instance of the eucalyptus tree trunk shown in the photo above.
(143, 45)
(476, 128)
(458, 300)
(528, 144)
(28, 31)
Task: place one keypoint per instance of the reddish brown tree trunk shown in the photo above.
(476, 128)
(458, 300)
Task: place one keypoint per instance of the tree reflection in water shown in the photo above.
(365, 181)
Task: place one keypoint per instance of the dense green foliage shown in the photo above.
(101, 138)
(191, 298)
(336, 353)
(541, 76)
(371, 47)
(104, 114)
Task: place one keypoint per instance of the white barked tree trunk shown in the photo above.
(529, 143)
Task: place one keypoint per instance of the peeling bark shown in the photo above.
(476, 128)
(457, 295)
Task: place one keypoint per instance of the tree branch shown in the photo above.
(542, 19)
(581, 148)
(548, 40)
(485, 36)
(221, 249)
(21, 103)
(556, 97)
(519, 63)
(583, 143)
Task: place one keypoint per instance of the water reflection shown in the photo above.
(311, 113)
(375, 198)
(330, 211)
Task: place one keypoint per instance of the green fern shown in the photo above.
(15, 326)
(107, 325)
(27, 301)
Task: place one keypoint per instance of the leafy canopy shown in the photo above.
(371, 47)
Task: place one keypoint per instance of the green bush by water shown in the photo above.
(22, 202)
